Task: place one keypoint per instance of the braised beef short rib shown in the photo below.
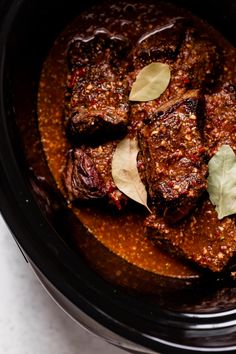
(161, 43)
(201, 238)
(178, 132)
(195, 62)
(97, 94)
(221, 119)
(87, 175)
(200, 58)
(173, 155)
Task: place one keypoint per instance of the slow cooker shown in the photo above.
(177, 317)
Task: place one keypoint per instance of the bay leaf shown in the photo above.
(222, 181)
(150, 83)
(125, 171)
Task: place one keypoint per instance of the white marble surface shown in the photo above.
(30, 322)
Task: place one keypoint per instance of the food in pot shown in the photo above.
(180, 116)
(220, 124)
(172, 147)
(97, 93)
(88, 174)
(201, 238)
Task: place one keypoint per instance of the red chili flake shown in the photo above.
(194, 183)
(184, 191)
(201, 149)
(186, 80)
(194, 158)
(170, 184)
(116, 201)
(81, 72)
(140, 164)
(93, 102)
(77, 73)
(110, 187)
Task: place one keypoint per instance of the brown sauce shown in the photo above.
(122, 234)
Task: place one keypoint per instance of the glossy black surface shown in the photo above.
(198, 318)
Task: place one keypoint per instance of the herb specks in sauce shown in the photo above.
(122, 234)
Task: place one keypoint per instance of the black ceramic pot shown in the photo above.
(179, 317)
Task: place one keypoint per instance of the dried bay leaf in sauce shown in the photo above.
(222, 181)
(125, 171)
(150, 83)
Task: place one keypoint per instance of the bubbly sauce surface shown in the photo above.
(123, 233)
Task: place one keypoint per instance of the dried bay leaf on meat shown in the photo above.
(222, 181)
(125, 171)
(150, 83)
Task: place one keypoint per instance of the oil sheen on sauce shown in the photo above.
(121, 234)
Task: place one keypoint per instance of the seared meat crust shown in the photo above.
(220, 119)
(201, 238)
(200, 58)
(162, 43)
(195, 63)
(97, 94)
(173, 155)
(177, 132)
(88, 175)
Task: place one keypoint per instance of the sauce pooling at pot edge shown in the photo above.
(122, 234)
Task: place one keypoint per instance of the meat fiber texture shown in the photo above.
(200, 238)
(101, 72)
(195, 62)
(97, 94)
(220, 125)
(178, 132)
(173, 155)
(88, 175)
